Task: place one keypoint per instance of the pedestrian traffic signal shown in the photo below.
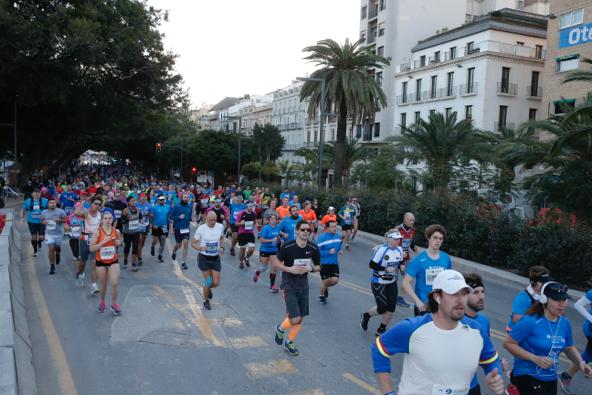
(158, 147)
(193, 170)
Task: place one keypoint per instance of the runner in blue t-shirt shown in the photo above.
(537, 340)
(160, 215)
(538, 275)
(33, 207)
(288, 225)
(425, 267)
(236, 208)
(145, 209)
(68, 200)
(268, 237)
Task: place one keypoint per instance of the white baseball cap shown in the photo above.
(394, 235)
(450, 281)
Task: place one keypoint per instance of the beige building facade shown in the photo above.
(569, 42)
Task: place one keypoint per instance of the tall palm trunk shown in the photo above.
(340, 145)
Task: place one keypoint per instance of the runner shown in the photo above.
(346, 215)
(385, 264)
(92, 221)
(181, 216)
(53, 219)
(245, 221)
(295, 259)
(356, 205)
(271, 210)
(236, 208)
(537, 275)
(117, 205)
(104, 244)
(73, 226)
(33, 208)
(425, 267)
(288, 225)
(221, 212)
(160, 215)
(130, 218)
(537, 340)
(584, 307)
(441, 349)
(408, 231)
(145, 208)
(284, 209)
(209, 241)
(268, 237)
(330, 216)
(309, 215)
(329, 244)
(67, 200)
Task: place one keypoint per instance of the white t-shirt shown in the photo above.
(209, 238)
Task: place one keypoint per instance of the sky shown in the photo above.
(238, 47)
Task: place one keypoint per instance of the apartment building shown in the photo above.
(488, 70)
(569, 39)
(392, 29)
(288, 114)
(247, 112)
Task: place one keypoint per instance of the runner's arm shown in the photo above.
(582, 306)
(409, 290)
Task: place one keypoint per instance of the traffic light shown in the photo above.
(158, 147)
(194, 170)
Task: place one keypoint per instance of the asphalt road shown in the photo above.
(166, 343)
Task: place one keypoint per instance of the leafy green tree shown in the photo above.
(267, 142)
(352, 91)
(310, 168)
(289, 171)
(379, 171)
(353, 152)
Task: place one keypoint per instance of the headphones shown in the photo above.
(542, 297)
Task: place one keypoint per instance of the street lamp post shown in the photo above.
(321, 127)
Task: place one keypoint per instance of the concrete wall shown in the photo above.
(17, 375)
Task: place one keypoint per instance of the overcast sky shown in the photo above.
(234, 47)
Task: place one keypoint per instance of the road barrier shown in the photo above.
(17, 375)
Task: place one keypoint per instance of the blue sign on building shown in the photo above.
(575, 35)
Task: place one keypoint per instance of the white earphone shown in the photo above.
(438, 300)
(542, 297)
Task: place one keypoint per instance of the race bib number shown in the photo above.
(51, 225)
(184, 231)
(303, 262)
(107, 253)
(249, 225)
(406, 243)
(431, 274)
(133, 225)
(117, 214)
(75, 232)
(211, 247)
(439, 389)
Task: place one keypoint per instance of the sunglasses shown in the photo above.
(304, 229)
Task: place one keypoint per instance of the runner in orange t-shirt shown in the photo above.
(330, 216)
(284, 210)
(309, 215)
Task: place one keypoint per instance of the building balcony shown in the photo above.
(469, 89)
(403, 100)
(534, 92)
(507, 89)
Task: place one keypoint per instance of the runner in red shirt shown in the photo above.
(407, 230)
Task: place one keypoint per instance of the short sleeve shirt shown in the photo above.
(291, 254)
(425, 269)
(52, 217)
(209, 238)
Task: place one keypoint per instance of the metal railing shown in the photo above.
(534, 91)
(469, 89)
(506, 88)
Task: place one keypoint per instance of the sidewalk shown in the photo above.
(465, 265)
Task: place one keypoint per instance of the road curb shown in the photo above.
(17, 375)
(465, 265)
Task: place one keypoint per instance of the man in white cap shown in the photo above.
(442, 348)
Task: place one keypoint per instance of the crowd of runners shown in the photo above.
(107, 224)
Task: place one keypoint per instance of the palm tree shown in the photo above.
(441, 142)
(311, 156)
(288, 170)
(352, 91)
(353, 152)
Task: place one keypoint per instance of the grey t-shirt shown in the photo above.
(53, 227)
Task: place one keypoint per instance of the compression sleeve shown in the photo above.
(393, 341)
(582, 307)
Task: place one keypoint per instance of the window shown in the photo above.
(403, 119)
(532, 113)
(377, 129)
(470, 80)
(422, 61)
(434, 86)
(404, 91)
(382, 4)
(436, 57)
(561, 105)
(432, 112)
(505, 87)
(417, 116)
(538, 51)
(447, 111)
(571, 18)
(502, 118)
(418, 89)
(470, 47)
(452, 53)
(534, 84)
(568, 63)
(381, 29)
(379, 78)
(380, 51)
(358, 132)
(450, 84)
(363, 35)
(468, 112)
(364, 12)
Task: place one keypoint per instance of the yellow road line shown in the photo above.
(362, 384)
(64, 375)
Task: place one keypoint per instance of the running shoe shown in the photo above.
(160, 259)
(135, 267)
(256, 276)
(348, 247)
(124, 265)
(402, 302)
(140, 262)
(322, 299)
(76, 276)
(184, 266)
(94, 289)
(210, 293)
(247, 263)
(116, 309)
(326, 293)
(365, 317)
(35, 253)
(379, 331)
(52, 269)
(241, 265)
(102, 306)
(232, 252)
(273, 289)
(206, 305)
(290, 348)
(279, 335)
(566, 384)
(174, 256)
(81, 278)
(152, 250)
(57, 259)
